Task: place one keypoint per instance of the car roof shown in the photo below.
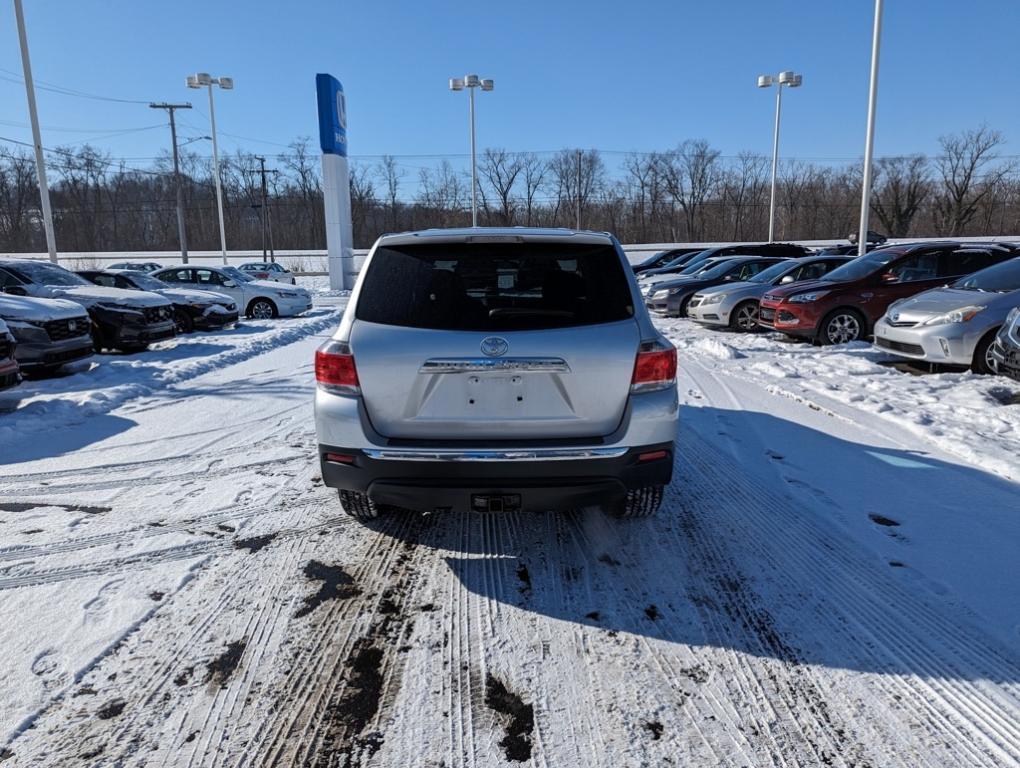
(508, 234)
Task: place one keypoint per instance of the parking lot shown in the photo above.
(831, 580)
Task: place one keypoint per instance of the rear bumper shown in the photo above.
(529, 480)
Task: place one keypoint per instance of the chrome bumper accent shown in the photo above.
(524, 454)
(483, 364)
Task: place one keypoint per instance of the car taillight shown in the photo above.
(261, 275)
(335, 370)
(654, 367)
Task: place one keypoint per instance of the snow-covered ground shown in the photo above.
(832, 580)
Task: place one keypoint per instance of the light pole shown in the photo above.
(790, 80)
(203, 80)
(459, 84)
(869, 141)
(40, 161)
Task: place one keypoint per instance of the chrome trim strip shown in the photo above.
(523, 454)
(482, 364)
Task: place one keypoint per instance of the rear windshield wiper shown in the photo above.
(529, 312)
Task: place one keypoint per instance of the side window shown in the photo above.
(913, 269)
(208, 277)
(7, 279)
(178, 276)
(107, 281)
(750, 270)
(964, 262)
(813, 271)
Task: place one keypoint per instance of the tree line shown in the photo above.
(690, 193)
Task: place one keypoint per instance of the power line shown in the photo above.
(54, 88)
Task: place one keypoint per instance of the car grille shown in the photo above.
(771, 297)
(60, 330)
(6, 347)
(158, 314)
(67, 355)
(901, 323)
(899, 346)
(767, 314)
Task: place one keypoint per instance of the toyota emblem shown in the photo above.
(494, 346)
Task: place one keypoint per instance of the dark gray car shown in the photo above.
(49, 332)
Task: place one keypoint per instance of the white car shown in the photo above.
(259, 299)
(268, 270)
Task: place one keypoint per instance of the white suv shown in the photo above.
(496, 370)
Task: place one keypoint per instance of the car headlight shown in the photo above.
(807, 298)
(713, 298)
(961, 315)
(229, 307)
(1014, 314)
(288, 294)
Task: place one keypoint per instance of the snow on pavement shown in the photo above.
(825, 584)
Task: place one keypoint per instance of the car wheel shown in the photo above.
(841, 327)
(185, 322)
(682, 309)
(639, 502)
(745, 317)
(359, 506)
(133, 348)
(262, 309)
(982, 362)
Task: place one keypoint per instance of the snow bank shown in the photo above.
(113, 380)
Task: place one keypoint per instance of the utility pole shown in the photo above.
(578, 189)
(267, 221)
(181, 235)
(40, 161)
(869, 140)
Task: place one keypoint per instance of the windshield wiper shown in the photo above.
(530, 312)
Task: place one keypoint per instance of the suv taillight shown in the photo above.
(335, 370)
(654, 367)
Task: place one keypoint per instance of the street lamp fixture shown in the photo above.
(790, 80)
(459, 84)
(205, 80)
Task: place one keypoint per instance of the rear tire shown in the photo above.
(745, 317)
(262, 309)
(185, 323)
(639, 502)
(359, 506)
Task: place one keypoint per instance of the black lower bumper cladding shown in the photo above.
(530, 486)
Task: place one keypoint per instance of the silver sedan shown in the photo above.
(955, 325)
(736, 304)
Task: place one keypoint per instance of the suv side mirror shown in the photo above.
(229, 284)
(14, 290)
(786, 280)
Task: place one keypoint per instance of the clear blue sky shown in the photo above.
(636, 75)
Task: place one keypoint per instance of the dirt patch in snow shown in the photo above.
(520, 719)
(255, 543)
(652, 612)
(525, 577)
(27, 506)
(219, 671)
(111, 709)
(883, 520)
(654, 727)
(337, 584)
(1004, 396)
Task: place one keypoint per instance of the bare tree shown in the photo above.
(534, 171)
(690, 174)
(501, 169)
(901, 186)
(391, 175)
(965, 167)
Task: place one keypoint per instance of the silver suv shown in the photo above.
(496, 370)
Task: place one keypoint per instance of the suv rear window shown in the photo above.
(494, 286)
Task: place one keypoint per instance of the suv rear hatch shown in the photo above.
(495, 340)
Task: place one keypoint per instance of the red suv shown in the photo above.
(844, 305)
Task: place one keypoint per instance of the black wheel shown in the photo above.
(682, 309)
(640, 502)
(133, 348)
(98, 342)
(359, 506)
(982, 362)
(745, 317)
(262, 309)
(841, 326)
(185, 322)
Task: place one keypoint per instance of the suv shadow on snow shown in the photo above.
(812, 552)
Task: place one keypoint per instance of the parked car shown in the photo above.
(783, 250)
(671, 298)
(514, 394)
(844, 305)
(954, 325)
(137, 266)
(193, 308)
(10, 374)
(648, 282)
(269, 270)
(259, 299)
(736, 304)
(124, 320)
(49, 332)
(662, 258)
(1005, 350)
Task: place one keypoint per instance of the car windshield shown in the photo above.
(683, 259)
(1002, 278)
(860, 267)
(237, 274)
(701, 266)
(494, 286)
(772, 273)
(47, 274)
(718, 269)
(255, 267)
(144, 282)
